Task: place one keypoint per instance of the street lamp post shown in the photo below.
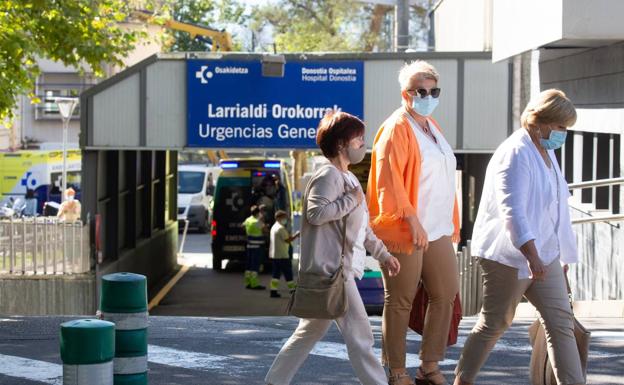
(66, 108)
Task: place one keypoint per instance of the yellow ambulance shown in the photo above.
(40, 171)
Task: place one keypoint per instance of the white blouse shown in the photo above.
(436, 186)
(519, 203)
(359, 252)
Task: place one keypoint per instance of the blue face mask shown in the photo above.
(424, 106)
(555, 140)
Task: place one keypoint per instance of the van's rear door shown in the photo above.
(231, 207)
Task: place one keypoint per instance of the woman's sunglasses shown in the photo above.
(434, 92)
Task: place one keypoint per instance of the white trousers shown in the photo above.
(358, 336)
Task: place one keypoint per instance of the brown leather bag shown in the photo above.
(419, 310)
(318, 296)
(541, 371)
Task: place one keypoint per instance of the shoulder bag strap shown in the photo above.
(344, 240)
(344, 230)
(567, 281)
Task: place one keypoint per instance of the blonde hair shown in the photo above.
(416, 68)
(550, 106)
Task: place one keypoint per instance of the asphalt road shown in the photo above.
(239, 350)
(205, 292)
(226, 335)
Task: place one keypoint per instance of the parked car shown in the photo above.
(195, 191)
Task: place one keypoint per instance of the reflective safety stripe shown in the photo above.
(255, 242)
(95, 374)
(127, 321)
(130, 365)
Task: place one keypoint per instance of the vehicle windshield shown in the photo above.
(190, 182)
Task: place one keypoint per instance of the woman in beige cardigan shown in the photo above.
(334, 195)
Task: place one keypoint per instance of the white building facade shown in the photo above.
(578, 47)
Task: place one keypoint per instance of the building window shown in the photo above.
(48, 109)
(53, 85)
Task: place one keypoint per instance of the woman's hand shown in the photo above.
(419, 235)
(357, 193)
(392, 265)
(537, 268)
(456, 238)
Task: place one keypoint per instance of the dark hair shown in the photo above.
(280, 214)
(30, 193)
(255, 210)
(336, 129)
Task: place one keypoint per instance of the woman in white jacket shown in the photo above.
(523, 235)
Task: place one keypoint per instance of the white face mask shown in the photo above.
(356, 155)
(283, 222)
(70, 198)
(424, 106)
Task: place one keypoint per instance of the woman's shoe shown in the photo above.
(427, 378)
(400, 379)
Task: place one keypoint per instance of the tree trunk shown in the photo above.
(375, 26)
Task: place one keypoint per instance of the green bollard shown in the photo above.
(87, 351)
(124, 302)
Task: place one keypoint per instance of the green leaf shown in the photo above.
(70, 31)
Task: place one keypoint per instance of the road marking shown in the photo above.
(165, 290)
(238, 365)
(235, 365)
(339, 351)
(33, 370)
(186, 359)
(517, 346)
(607, 334)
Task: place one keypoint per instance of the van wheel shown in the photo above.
(216, 262)
(206, 226)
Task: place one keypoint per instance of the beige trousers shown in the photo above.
(502, 291)
(358, 336)
(438, 269)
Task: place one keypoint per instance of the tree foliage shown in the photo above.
(336, 25)
(313, 25)
(205, 13)
(74, 32)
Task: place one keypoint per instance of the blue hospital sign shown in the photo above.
(230, 103)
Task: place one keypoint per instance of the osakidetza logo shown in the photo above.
(205, 73)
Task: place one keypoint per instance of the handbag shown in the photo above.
(541, 371)
(318, 296)
(419, 310)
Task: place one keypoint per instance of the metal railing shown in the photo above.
(470, 274)
(593, 184)
(470, 281)
(43, 245)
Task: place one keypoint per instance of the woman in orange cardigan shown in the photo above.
(411, 198)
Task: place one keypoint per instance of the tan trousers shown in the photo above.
(502, 291)
(438, 269)
(358, 336)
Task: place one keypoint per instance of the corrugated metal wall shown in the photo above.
(116, 118)
(145, 107)
(166, 104)
(486, 104)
